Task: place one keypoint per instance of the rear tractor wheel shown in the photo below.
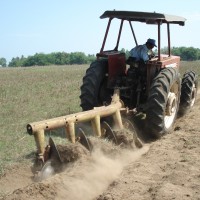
(93, 90)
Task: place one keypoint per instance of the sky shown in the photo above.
(46, 26)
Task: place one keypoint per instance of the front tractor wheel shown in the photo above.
(189, 89)
(163, 102)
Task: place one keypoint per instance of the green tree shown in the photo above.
(90, 58)
(189, 54)
(16, 62)
(39, 59)
(62, 58)
(78, 58)
(186, 53)
(3, 62)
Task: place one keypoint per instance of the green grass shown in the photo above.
(37, 93)
(33, 94)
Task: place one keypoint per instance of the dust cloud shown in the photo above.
(88, 180)
(85, 178)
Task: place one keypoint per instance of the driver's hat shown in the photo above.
(152, 42)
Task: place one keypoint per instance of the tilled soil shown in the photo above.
(168, 168)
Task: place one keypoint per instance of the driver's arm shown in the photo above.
(151, 54)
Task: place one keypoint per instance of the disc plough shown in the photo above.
(100, 127)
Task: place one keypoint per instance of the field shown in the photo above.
(37, 93)
(32, 94)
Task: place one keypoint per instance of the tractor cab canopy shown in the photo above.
(145, 17)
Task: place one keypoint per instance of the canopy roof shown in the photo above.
(147, 17)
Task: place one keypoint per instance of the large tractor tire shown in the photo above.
(163, 102)
(94, 84)
(189, 89)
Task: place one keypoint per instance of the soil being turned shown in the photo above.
(165, 169)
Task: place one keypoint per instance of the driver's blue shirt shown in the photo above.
(140, 52)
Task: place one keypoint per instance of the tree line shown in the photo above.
(63, 58)
(56, 58)
(186, 53)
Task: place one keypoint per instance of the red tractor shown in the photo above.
(153, 88)
(114, 84)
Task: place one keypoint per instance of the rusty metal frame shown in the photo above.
(105, 36)
(119, 34)
(133, 33)
(169, 41)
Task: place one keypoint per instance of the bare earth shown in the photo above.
(166, 169)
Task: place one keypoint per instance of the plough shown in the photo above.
(100, 128)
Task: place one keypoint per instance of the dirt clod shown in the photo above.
(72, 152)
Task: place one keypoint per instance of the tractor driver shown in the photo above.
(143, 52)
